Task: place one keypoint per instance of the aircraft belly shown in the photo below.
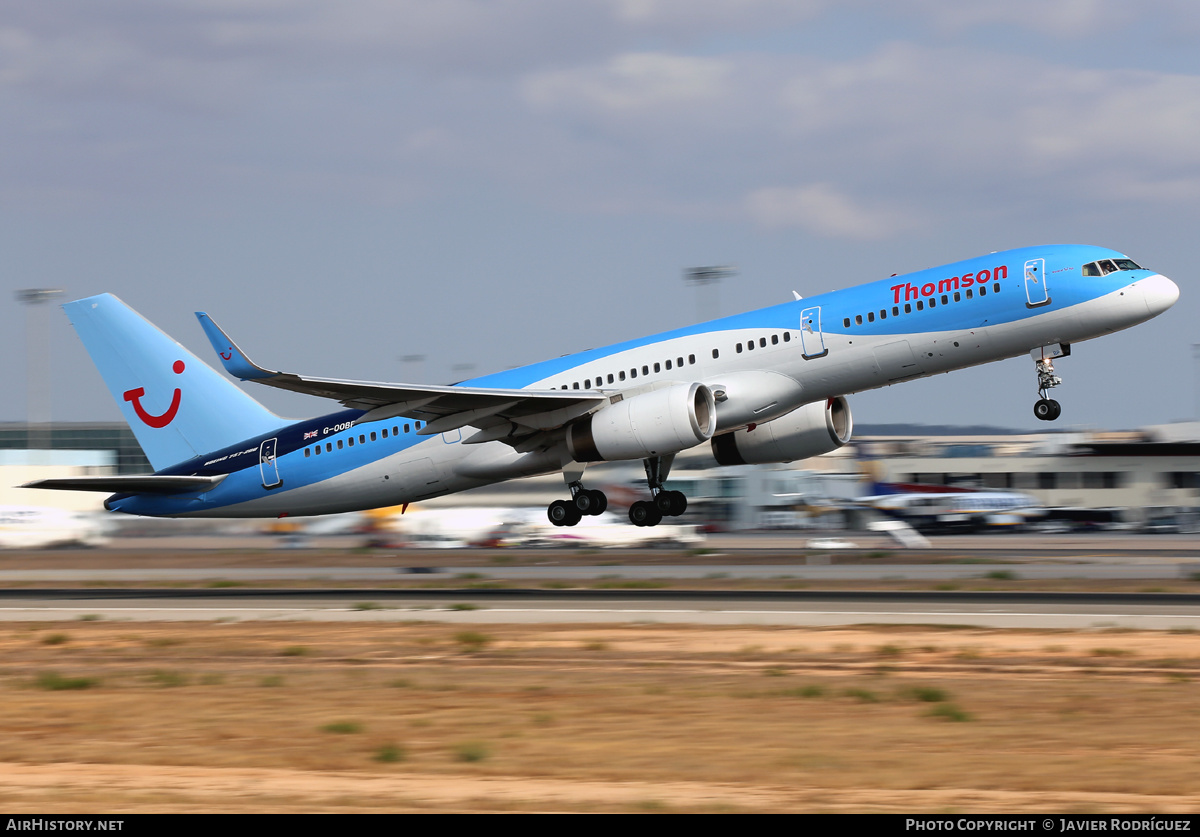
(397, 479)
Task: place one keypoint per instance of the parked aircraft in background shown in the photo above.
(484, 526)
(761, 387)
(36, 527)
(940, 511)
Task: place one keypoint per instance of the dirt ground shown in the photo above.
(118, 717)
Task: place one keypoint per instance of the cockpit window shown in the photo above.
(1106, 266)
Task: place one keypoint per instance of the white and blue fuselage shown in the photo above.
(761, 365)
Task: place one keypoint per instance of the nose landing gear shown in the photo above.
(1046, 409)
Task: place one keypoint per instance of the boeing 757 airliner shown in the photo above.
(761, 387)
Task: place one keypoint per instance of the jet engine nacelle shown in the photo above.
(810, 430)
(655, 423)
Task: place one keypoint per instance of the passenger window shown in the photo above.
(691, 359)
(846, 322)
(883, 313)
(385, 432)
(668, 365)
(587, 384)
(774, 339)
(858, 319)
(970, 294)
(633, 373)
(957, 297)
(621, 375)
(350, 440)
(329, 447)
(362, 440)
(306, 453)
(982, 290)
(870, 316)
(945, 300)
(895, 310)
(406, 429)
(657, 368)
(679, 362)
(716, 353)
(996, 287)
(739, 348)
(645, 370)
(340, 444)
(317, 450)
(920, 305)
(750, 346)
(908, 308)
(762, 342)
(932, 303)
(610, 377)
(373, 435)
(575, 385)
(787, 337)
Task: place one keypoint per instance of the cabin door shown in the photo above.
(812, 342)
(267, 464)
(1036, 291)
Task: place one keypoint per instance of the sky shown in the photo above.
(346, 187)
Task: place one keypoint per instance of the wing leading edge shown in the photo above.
(510, 415)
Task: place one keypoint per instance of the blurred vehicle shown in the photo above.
(829, 543)
(38, 527)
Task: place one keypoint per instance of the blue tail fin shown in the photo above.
(177, 405)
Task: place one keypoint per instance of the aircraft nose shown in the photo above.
(1159, 292)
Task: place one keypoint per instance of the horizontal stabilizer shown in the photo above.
(147, 484)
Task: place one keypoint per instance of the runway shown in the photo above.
(799, 571)
(1178, 612)
(223, 584)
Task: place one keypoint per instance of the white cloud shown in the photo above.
(632, 82)
(824, 210)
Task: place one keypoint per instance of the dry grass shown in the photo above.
(375, 717)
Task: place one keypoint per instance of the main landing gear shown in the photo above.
(583, 501)
(1046, 409)
(662, 503)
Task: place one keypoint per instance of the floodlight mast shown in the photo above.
(708, 305)
(37, 349)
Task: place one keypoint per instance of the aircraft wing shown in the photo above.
(504, 414)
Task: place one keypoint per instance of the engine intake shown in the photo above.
(810, 430)
(655, 423)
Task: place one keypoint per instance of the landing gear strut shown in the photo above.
(662, 503)
(1046, 409)
(583, 501)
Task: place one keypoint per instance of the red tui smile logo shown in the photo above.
(135, 396)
